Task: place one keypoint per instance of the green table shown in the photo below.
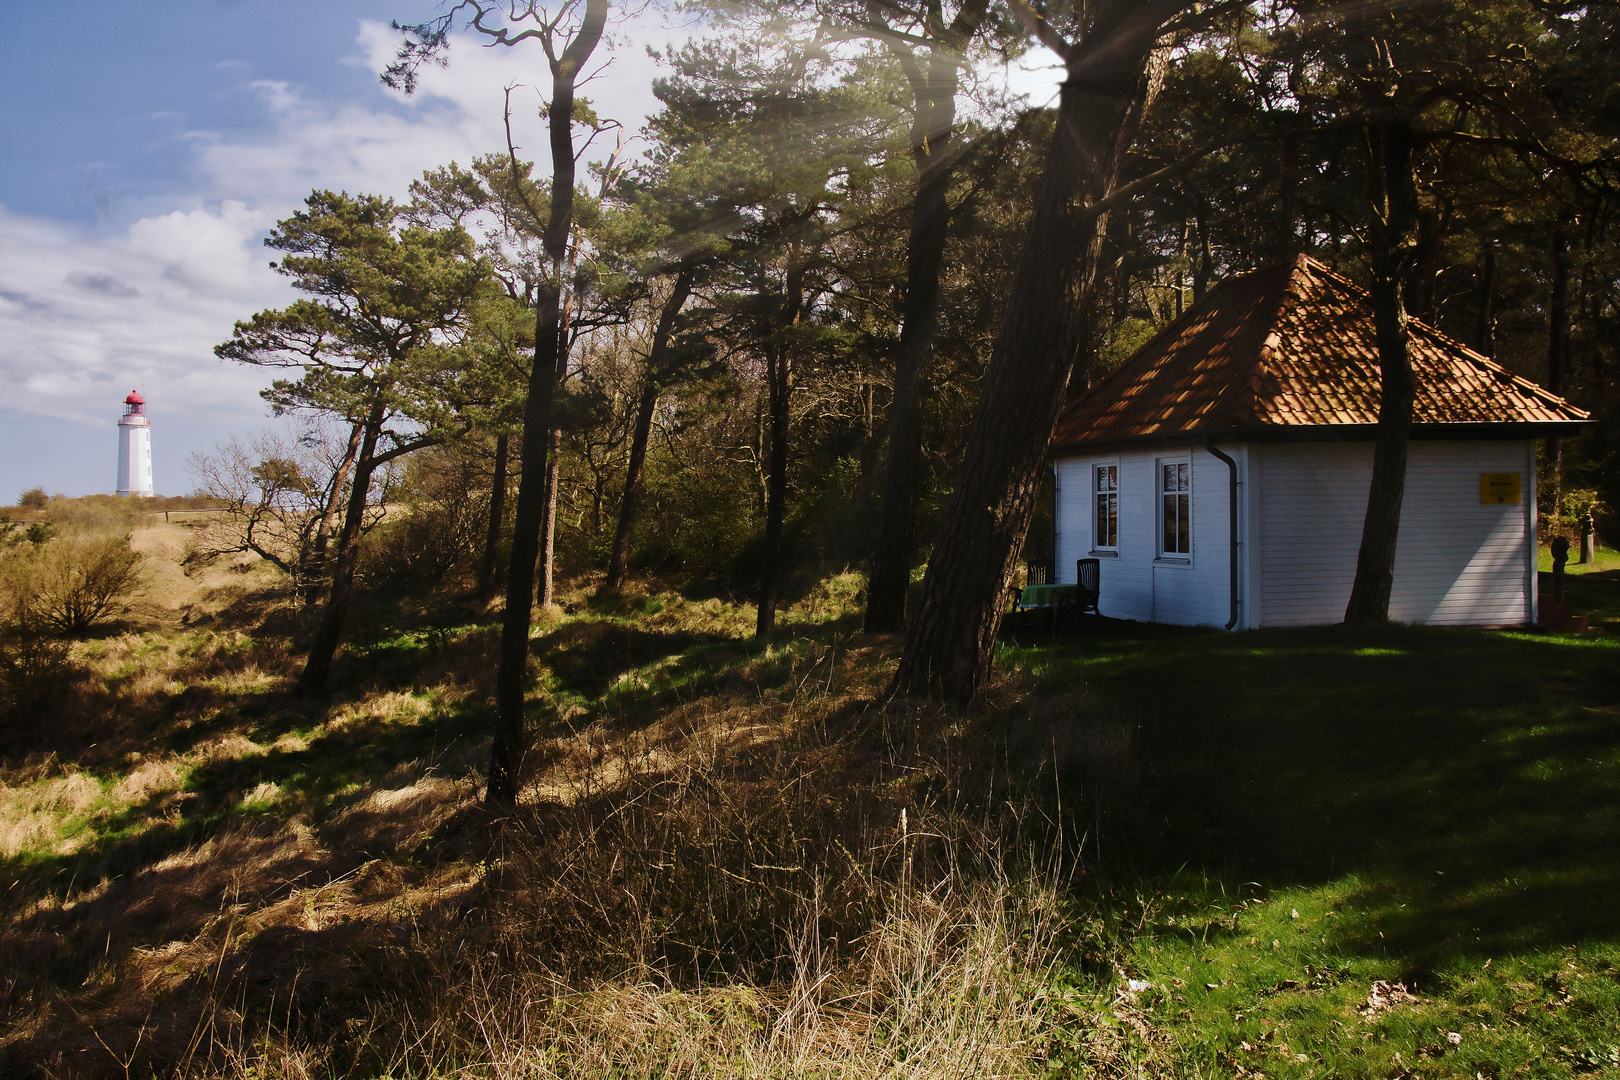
(1044, 595)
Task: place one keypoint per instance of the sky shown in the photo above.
(146, 149)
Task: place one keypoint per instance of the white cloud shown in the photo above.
(455, 114)
(79, 307)
(85, 314)
(203, 250)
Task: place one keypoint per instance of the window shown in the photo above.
(1175, 507)
(1105, 480)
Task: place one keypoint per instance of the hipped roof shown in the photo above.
(1290, 351)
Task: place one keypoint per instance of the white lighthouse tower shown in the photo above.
(134, 448)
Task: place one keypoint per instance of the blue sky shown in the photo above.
(114, 100)
(145, 148)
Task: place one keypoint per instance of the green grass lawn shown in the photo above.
(1322, 809)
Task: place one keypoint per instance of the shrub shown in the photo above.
(69, 584)
(275, 491)
(33, 660)
(33, 664)
(1579, 502)
(33, 499)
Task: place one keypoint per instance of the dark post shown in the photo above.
(1560, 554)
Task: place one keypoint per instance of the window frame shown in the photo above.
(1161, 518)
(1092, 469)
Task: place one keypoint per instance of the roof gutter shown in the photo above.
(1232, 522)
(1289, 433)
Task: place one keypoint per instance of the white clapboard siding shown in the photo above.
(1136, 584)
(1457, 562)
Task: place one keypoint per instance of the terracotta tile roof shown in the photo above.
(1292, 346)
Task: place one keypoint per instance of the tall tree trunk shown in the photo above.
(1423, 276)
(931, 137)
(1558, 354)
(511, 741)
(545, 592)
(780, 381)
(510, 745)
(318, 665)
(1118, 231)
(658, 372)
(315, 571)
(932, 133)
(497, 516)
(619, 560)
(1206, 263)
(1392, 195)
(1111, 75)
(1287, 231)
(779, 385)
(1485, 328)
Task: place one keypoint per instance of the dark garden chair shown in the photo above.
(1082, 601)
(1088, 581)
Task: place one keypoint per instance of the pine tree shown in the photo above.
(383, 347)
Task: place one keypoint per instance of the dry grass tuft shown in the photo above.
(951, 982)
(33, 816)
(151, 779)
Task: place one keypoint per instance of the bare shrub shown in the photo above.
(280, 496)
(33, 660)
(38, 591)
(34, 665)
(65, 586)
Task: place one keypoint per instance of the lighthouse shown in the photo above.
(134, 448)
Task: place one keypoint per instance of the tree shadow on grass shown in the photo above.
(587, 656)
(628, 675)
(1471, 778)
(316, 779)
(191, 881)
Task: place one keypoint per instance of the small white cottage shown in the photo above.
(1220, 475)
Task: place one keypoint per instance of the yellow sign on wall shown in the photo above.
(1499, 487)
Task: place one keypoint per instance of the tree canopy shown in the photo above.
(782, 330)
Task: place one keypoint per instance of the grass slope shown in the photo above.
(1303, 853)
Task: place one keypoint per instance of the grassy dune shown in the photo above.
(1145, 853)
(727, 860)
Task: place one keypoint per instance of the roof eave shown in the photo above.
(1285, 433)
